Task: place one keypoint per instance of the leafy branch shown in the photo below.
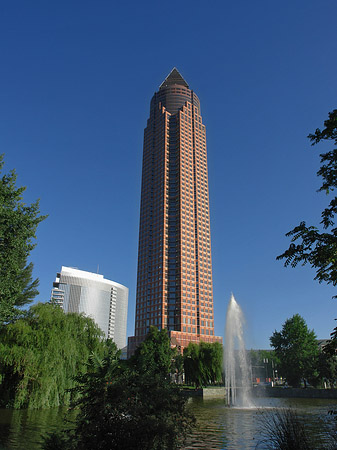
(319, 249)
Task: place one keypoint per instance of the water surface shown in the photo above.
(222, 428)
(218, 427)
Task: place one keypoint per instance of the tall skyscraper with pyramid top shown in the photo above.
(174, 279)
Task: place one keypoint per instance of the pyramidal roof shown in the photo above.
(174, 77)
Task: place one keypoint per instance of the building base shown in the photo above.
(178, 339)
(181, 340)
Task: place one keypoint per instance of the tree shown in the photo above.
(155, 354)
(211, 357)
(296, 349)
(41, 353)
(193, 367)
(177, 368)
(129, 405)
(315, 247)
(203, 363)
(327, 368)
(18, 224)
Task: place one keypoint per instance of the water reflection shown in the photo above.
(22, 429)
(222, 428)
(218, 427)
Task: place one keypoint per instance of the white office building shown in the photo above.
(90, 293)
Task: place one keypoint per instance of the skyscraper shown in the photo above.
(174, 279)
(105, 301)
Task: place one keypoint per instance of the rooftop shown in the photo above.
(174, 77)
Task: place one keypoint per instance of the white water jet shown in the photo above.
(237, 369)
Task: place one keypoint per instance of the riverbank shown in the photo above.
(265, 391)
(280, 392)
(210, 392)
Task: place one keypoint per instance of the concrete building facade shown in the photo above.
(90, 293)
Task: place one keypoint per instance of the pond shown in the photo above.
(218, 427)
(222, 428)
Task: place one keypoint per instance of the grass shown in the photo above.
(284, 429)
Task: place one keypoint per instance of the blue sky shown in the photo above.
(76, 81)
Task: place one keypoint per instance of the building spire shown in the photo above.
(174, 77)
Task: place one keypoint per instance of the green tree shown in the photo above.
(211, 357)
(327, 369)
(313, 246)
(192, 365)
(177, 369)
(18, 224)
(296, 349)
(129, 405)
(41, 353)
(154, 354)
(203, 363)
(331, 347)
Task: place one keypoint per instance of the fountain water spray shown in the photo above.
(237, 368)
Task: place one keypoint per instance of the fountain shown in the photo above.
(237, 369)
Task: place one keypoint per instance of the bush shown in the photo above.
(128, 405)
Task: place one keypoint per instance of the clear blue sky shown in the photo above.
(76, 79)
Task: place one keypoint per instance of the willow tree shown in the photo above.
(18, 224)
(203, 363)
(41, 353)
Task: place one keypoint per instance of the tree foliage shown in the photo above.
(317, 248)
(203, 363)
(296, 349)
(327, 368)
(154, 354)
(313, 246)
(18, 224)
(129, 405)
(41, 353)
